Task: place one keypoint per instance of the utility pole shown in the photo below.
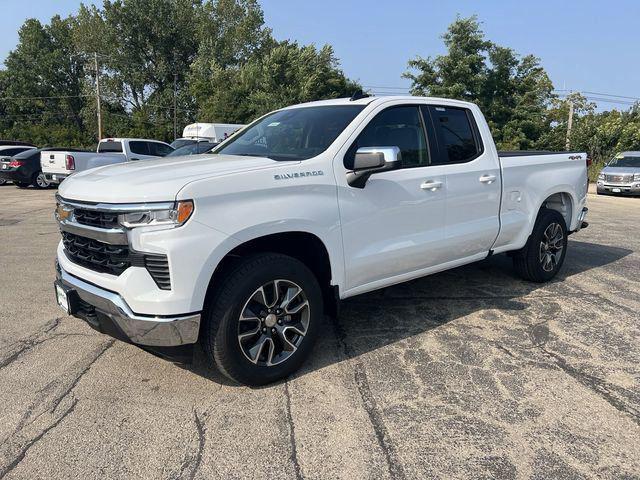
(569, 125)
(175, 108)
(95, 62)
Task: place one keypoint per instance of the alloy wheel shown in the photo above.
(551, 247)
(273, 322)
(41, 181)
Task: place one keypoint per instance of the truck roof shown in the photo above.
(373, 99)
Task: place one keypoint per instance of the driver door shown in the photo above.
(395, 224)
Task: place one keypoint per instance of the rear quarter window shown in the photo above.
(457, 135)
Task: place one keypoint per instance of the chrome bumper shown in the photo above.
(104, 309)
(55, 177)
(631, 188)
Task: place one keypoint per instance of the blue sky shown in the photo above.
(584, 45)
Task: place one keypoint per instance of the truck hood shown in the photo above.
(620, 170)
(153, 180)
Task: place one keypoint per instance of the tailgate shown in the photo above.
(54, 162)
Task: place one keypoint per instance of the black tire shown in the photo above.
(40, 181)
(537, 262)
(237, 295)
(21, 184)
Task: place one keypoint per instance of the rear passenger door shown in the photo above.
(472, 179)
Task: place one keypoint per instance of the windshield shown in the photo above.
(625, 162)
(193, 149)
(294, 134)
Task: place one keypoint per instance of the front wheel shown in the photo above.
(543, 255)
(262, 322)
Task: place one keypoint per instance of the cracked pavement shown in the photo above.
(471, 373)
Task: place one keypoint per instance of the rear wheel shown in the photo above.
(2, 181)
(543, 255)
(263, 321)
(40, 181)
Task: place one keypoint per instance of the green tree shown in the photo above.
(232, 32)
(286, 75)
(241, 72)
(143, 46)
(42, 86)
(601, 134)
(512, 91)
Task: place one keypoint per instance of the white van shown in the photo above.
(206, 132)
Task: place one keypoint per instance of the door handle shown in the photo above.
(431, 185)
(487, 178)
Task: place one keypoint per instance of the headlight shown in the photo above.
(601, 176)
(636, 177)
(177, 215)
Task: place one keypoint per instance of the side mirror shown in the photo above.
(370, 160)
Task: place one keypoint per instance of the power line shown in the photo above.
(43, 98)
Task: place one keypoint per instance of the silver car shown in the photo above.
(621, 175)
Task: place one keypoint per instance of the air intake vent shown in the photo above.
(158, 268)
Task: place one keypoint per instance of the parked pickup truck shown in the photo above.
(245, 249)
(58, 165)
(621, 175)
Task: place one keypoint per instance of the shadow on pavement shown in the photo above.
(377, 319)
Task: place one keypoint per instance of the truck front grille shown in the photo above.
(619, 178)
(95, 218)
(95, 255)
(115, 259)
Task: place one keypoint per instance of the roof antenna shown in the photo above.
(358, 94)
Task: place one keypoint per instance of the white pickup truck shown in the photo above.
(59, 164)
(246, 248)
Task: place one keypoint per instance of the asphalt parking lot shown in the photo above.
(470, 373)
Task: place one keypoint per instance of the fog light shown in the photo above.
(63, 212)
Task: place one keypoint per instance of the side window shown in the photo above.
(159, 149)
(395, 127)
(139, 148)
(456, 136)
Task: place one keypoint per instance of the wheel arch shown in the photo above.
(304, 246)
(563, 203)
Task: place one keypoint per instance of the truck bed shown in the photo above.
(529, 177)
